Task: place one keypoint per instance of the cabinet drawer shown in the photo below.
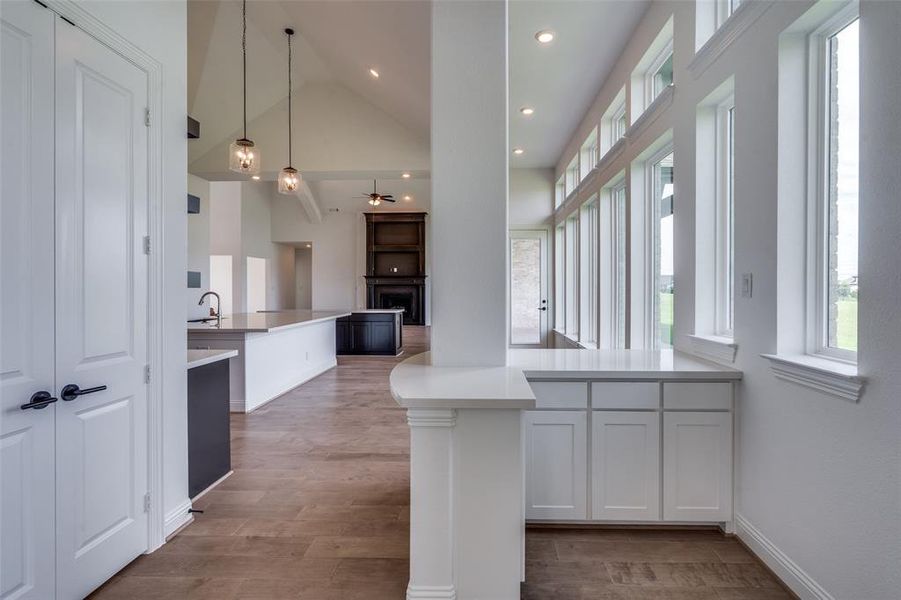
(622, 395)
(697, 396)
(552, 394)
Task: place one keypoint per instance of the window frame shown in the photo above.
(560, 191)
(652, 330)
(724, 275)
(725, 9)
(589, 255)
(818, 201)
(572, 175)
(588, 154)
(614, 300)
(651, 73)
(571, 276)
(559, 282)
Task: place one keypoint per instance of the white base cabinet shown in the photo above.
(556, 457)
(625, 465)
(697, 466)
(658, 452)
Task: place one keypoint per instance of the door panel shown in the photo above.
(101, 218)
(528, 308)
(697, 466)
(27, 489)
(556, 464)
(626, 465)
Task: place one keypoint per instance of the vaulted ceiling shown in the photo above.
(349, 125)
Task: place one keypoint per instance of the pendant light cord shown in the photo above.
(244, 59)
(290, 162)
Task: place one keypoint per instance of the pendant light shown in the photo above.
(289, 178)
(243, 156)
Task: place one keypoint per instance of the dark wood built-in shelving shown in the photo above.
(395, 263)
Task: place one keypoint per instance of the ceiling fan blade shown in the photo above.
(388, 196)
(387, 199)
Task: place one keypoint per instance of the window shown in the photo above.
(613, 122)
(588, 272)
(559, 296)
(725, 219)
(588, 154)
(613, 266)
(572, 175)
(661, 202)
(572, 286)
(560, 192)
(836, 204)
(662, 74)
(724, 10)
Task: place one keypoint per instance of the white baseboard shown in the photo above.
(177, 518)
(784, 567)
(431, 592)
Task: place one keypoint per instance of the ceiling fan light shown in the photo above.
(288, 181)
(244, 157)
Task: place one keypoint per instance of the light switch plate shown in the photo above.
(747, 285)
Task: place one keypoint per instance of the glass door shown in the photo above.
(528, 289)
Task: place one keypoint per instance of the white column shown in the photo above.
(431, 504)
(469, 182)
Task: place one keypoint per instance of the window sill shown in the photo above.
(588, 345)
(818, 373)
(743, 17)
(656, 108)
(611, 155)
(713, 347)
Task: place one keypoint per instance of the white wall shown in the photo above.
(241, 226)
(160, 30)
(531, 204)
(818, 478)
(199, 245)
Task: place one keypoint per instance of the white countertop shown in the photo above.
(198, 358)
(264, 322)
(415, 383)
(379, 310)
(616, 364)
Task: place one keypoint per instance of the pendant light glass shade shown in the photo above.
(243, 155)
(289, 179)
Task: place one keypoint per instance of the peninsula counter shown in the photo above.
(277, 351)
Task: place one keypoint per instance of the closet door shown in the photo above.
(101, 308)
(26, 301)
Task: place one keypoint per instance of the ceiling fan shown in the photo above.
(375, 198)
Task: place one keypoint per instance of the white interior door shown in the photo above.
(101, 311)
(26, 301)
(528, 289)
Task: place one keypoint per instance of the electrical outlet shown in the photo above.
(747, 285)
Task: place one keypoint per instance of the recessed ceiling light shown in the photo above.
(309, 245)
(407, 198)
(527, 111)
(544, 36)
(405, 175)
(518, 151)
(374, 73)
(255, 177)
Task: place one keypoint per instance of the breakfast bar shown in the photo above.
(277, 351)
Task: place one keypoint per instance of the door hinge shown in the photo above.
(147, 117)
(146, 244)
(146, 373)
(147, 502)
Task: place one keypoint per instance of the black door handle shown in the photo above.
(39, 400)
(72, 391)
(542, 308)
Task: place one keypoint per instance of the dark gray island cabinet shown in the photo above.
(373, 332)
(209, 445)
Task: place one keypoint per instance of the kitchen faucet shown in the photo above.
(218, 306)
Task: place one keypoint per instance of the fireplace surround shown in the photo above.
(395, 263)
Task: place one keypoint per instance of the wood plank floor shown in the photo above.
(318, 509)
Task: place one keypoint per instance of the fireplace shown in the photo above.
(406, 293)
(395, 263)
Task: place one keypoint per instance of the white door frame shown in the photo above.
(544, 322)
(88, 23)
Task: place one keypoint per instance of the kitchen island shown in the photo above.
(277, 351)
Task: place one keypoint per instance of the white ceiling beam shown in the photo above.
(309, 203)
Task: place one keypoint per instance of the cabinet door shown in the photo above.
(342, 337)
(556, 464)
(625, 459)
(381, 337)
(697, 466)
(359, 336)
